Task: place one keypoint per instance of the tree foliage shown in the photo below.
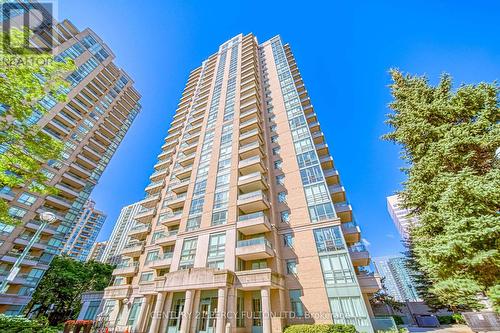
(383, 297)
(25, 79)
(449, 140)
(61, 287)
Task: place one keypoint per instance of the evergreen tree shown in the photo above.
(449, 140)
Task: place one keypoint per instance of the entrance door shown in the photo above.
(256, 315)
(207, 315)
(175, 317)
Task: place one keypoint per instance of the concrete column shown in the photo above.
(231, 306)
(167, 308)
(157, 314)
(266, 309)
(186, 313)
(221, 310)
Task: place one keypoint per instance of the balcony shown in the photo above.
(133, 249)
(73, 180)
(155, 187)
(181, 186)
(118, 292)
(251, 165)
(168, 239)
(162, 164)
(257, 278)
(159, 175)
(337, 192)
(369, 282)
(140, 231)
(253, 123)
(150, 201)
(359, 255)
(126, 269)
(186, 160)
(161, 261)
(318, 137)
(24, 240)
(254, 248)
(89, 152)
(322, 149)
(59, 202)
(176, 202)
(250, 136)
(184, 173)
(314, 127)
(190, 148)
(253, 112)
(171, 218)
(311, 117)
(145, 215)
(331, 176)
(253, 202)
(12, 256)
(35, 225)
(79, 171)
(255, 223)
(251, 149)
(67, 191)
(252, 182)
(351, 231)
(344, 211)
(326, 162)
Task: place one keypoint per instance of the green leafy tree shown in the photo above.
(382, 297)
(449, 139)
(25, 79)
(58, 296)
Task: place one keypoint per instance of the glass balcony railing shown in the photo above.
(251, 195)
(250, 175)
(135, 244)
(127, 264)
(251, 216)
(254, 241)
(358, 247)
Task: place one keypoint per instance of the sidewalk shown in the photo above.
(443, 329)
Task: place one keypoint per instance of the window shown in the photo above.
(291, 266)
(328, 239)
(297, 307)
(259, 264)
(134, 311)
(352, 309)
(280, 179)
(188, 253)
(219, 217)
(17, 212)
(288, 240)
(273, 128)
(278, 164)
(193, 223)
(156, 235)
(26, 199)
(285, 216)
(221, 199)
(216, 250)
(336, 269)
(91, 312)
(276, 151)
(321, 212)
(6, 228)
(146, 276)
(311, 175)
(282, 197)
(240, 311)
(274, 139)
(152, 256)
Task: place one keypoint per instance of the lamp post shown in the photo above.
(46, 218)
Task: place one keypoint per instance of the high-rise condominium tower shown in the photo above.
(120, 234)
(97, 251)
(399, 279)
(100, 107)
(400, 216)
(81, 239)
(245, 219)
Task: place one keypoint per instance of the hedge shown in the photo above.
(321, 328)
(19, 324)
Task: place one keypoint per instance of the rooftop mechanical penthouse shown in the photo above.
(245, 223)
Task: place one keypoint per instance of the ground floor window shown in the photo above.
(296, 303)
(349, 310)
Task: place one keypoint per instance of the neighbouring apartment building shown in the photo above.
(120, 234)
(100, 107)
(97, 251)
(245, 222)
(398, 278)
(400, 216)
(79, 241)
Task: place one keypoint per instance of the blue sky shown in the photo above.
(343, 49)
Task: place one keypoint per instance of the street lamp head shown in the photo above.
(48, 217)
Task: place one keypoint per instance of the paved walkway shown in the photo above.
(443, 329)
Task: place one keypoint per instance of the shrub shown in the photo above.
(458, 318)
(321, 328)
(398, 320)
(19, 324)
(445, 320)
